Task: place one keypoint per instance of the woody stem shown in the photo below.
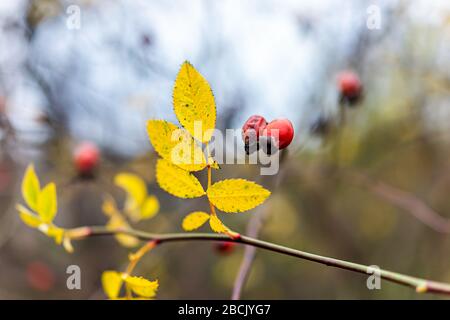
(420, 285)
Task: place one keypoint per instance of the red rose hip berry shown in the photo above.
(86, 157)
(251, 130)
(253, 124)
(350, 87)
(280, 131)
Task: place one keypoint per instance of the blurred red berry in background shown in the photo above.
(225, 247)
(86, 157)
(349, 86)
(39, 276)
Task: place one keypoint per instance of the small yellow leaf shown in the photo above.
(176, 181)
(109, 207)
(193, 103)
(29, 218)
(47, 203)
(112, 282)
(236, 195)
(118, 222)
(134, 186)
(150, 207)
(142, 287)
(194, 220)
(217, 225)
(31, 188)
(175, 145)
(53, 232)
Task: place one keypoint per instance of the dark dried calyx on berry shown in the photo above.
(251, 130)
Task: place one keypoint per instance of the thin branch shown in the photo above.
(253, 228)
(405, 201)
(420, 285)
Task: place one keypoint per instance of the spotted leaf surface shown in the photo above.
(176, 181)
(217, 225)
(193, 103)
(195, 220)
(237, 195)
(175, 145)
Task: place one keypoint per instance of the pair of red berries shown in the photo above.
(86, 158)
(275, 135)
(350, 87)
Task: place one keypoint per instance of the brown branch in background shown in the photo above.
(254, 226)
(405, 201)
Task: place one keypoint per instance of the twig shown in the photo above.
(420, 285)
(255, 224)
(253, 228)
(405, 201)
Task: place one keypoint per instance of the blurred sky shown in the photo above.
(103, 81)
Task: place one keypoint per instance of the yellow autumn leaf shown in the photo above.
(193, 103)
(176, 181)
(194, 220)
(29, 218)
(150, 207)
(53, 232)
(112, 282)
(31, 187)
(236, 195)
(142, 287)
(135, 188)
(47, 203)
(109, 206)
(175, 145)
(217, 225)
(118, 222)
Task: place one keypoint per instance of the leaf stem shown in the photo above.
(420, 285)
(136, 257)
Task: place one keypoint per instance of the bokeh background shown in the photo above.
(368, 183)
